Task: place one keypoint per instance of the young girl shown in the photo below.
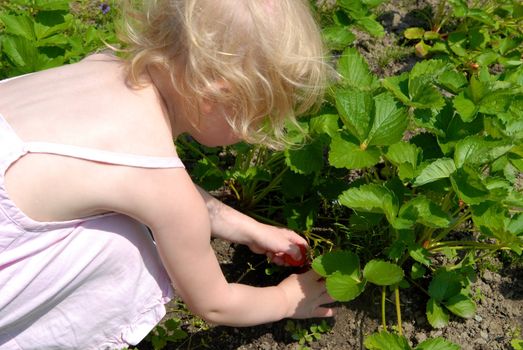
(87, 162)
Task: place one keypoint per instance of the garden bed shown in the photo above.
(498, 320)
(497, 291)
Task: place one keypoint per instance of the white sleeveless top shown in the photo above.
(91, 283)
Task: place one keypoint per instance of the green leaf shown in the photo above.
(420, 254)
(324, 124)
(417, 271)
(465, 107)
(370, 25)
(386, 341)
(382, 273)
(18, 25)
(444, 285)
(436, 315)
(403, 152)
(424, 211)
(356, 110)
(517, 344)
(338, 37)
(476, 150)
(439, 169)
(461, 305)
(307, 159)
(390, 121)
(413, 33)
(437, 344)
(355, 70)
(468, 185)
(345, 262)
(371, 198)
(452, 80)
(343, 287)
(423, 94)
(399, 86)
(345, 152)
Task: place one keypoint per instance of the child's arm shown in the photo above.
(179, 219)
(234, 226)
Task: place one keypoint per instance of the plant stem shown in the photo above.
(269, 187)
(383, 298)
(467, 245)
(398, 308)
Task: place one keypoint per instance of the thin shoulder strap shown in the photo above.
(104, 156)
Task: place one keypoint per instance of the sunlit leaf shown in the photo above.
(436, 315)
(382, 273)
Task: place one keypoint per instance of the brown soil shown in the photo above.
(499, 317)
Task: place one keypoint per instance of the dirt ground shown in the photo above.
(499, 317)
(499, 294)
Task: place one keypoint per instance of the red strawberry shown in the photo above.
(289, 260)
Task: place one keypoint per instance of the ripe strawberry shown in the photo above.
(289, 260)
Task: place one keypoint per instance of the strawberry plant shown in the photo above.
(440, 152)
(344, 15)
(40, 34)
(477, 35)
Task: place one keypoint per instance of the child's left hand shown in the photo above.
(282, 246)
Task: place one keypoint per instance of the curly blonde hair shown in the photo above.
(269, 53)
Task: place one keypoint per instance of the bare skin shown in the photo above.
(88, 104)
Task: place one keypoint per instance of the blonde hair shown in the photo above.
(269, 54)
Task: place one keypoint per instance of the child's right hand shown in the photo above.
(305, 294)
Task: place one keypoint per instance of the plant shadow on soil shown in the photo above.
(499, 316)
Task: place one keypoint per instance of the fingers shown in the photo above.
(324, 312)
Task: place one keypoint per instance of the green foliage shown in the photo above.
(168, 332)
(305, 336)
(395, 171)
(41, 34)
(474, 35)
(340, 18)
(389, 341)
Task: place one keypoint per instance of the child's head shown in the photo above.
(261, 58)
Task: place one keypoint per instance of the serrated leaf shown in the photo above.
(424, 211)
(403, 152)
(307, 159)
(468, 185)
(439, 169)
(338, 37)
(355, 70)
(345, 262)
(370, 25)
(423, 94)
(345, 152)
(461, 305)
(437, 344)
(428, 69)
(21, 25)
(452, 80)
(371, 198)
(465, 107)
(356, 111)
(390, 121)
(324, 124)
(476, 150)
(444, 285)
(343, 287)
(420, 255)
(386, 341)
(382, 273)
(398, 85)
(436, 315)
